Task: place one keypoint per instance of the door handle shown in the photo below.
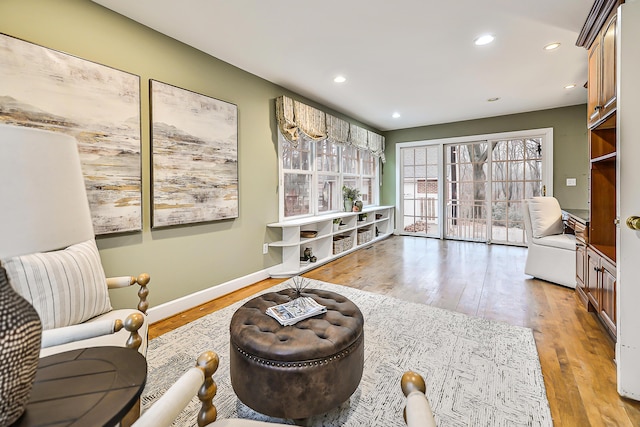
(633, 222)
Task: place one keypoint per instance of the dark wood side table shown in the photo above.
(88, 387)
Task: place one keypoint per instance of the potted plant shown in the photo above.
(350, 195)
(336, 223)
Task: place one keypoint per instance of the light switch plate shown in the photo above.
(571, 182)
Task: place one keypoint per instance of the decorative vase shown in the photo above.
(348, 205)
(20, 336)
(307, 253)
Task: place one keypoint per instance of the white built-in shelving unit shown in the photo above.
(329, 243)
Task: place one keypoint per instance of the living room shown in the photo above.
(191, 264)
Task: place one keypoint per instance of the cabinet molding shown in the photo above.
(595, 21)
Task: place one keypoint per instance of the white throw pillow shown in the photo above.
(546, 216)
(65, 287)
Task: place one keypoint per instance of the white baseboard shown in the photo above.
(187, 302)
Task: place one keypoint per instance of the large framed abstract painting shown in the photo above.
(194, 141)
(96, 104)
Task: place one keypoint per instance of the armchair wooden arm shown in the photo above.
(418, 412)
(196, 380)
(125, 281)
(67, 334)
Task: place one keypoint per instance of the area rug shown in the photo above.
(478, 372)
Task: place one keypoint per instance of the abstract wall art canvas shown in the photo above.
(98, 105)
(194, 141)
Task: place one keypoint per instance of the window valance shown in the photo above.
(294, 118)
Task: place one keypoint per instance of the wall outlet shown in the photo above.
(571, 182)
(265, 248)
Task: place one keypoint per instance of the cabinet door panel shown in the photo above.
(608, 70)
(592, 276)
(593, 89)
(608, 296)
(580, 265)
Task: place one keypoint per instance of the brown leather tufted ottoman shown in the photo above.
(300, 370)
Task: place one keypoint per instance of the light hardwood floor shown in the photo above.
(576, 354)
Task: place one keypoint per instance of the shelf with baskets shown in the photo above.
(328, 237)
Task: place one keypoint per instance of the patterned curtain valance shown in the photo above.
(294, 118)
(375, 143)
(337, 130)
(358, 137)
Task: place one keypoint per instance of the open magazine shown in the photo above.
(295, 310)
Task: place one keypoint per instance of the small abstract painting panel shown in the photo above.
(98, 105)
(194, 142)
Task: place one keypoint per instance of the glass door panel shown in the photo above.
(420, 207)
(516, 175)
(466, 188)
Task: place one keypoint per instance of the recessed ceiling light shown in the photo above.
(571, 86)
(493, 99)
(485, 39)
(340, 79)
(552, 46)
(396, 115)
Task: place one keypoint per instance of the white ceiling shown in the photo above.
(416, 57)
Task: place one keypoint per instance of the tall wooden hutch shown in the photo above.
(596, 252)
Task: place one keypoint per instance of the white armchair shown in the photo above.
(48, 249)
(199, 380)
(552, 253)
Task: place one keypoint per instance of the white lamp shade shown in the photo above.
(43, 200)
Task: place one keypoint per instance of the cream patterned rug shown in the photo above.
(478, 372)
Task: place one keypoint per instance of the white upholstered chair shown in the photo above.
(552, 253)
(199, 380)
(47, 246)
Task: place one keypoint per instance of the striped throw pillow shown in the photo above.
(66, 287)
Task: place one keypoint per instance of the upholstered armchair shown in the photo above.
(552, 253)
(48, 248)
(199, 380)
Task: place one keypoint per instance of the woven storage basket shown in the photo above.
(338, 245)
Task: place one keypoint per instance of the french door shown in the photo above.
(472, 189)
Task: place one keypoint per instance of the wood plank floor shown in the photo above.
(576, 354)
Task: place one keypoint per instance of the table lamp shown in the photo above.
(40, 175)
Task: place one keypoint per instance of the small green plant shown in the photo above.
(337, 220)
(350, 193)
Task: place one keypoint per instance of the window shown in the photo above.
(314, 172)
(296, 162)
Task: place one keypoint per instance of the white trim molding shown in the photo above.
(187, 302)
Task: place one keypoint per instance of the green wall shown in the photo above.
(180, 260)
(184, 260)
(570, 147)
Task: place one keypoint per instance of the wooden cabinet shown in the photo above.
(328, 242)
(592, 276)
(577, 222)
(608, 295)
(608, 71)
(593, 88)
(580, 230)
(601, 99)
(601, 289)
(598, 287)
